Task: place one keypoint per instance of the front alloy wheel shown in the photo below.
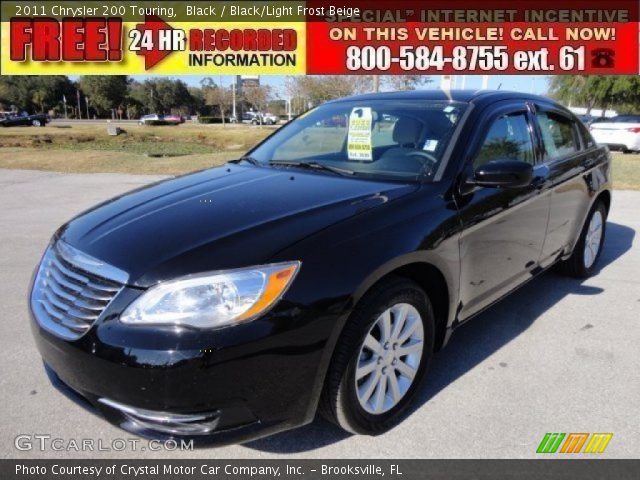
(389, 358)
(380, 358)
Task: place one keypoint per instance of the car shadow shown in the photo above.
(471, 344)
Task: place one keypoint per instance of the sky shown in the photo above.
(525, 83)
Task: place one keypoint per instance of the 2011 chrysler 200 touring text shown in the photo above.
(321, 271)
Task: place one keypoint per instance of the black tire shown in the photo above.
(575, 266)
(339, 402)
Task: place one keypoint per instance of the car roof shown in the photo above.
(468, 96)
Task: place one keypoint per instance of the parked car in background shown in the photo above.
(326, 273)
(269, 118)
(24, 119)
(173, 119)
(588, 120)
(618, 133)
(601, 119)
(248, 117)
(151, 119)
(260, 118)
(155, 119)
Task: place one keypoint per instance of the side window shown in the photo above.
(587, 139)
(558, 134)
(508, 139)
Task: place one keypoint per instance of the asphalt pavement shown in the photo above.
(559, 355)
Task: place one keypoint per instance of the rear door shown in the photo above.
(568, 151)
(503, 229)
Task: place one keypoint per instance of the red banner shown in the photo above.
(455, 37)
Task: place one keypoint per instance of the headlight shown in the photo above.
(212, 300)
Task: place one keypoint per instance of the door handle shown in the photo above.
(541, 180)
(539, 183)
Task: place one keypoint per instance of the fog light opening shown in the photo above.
(166, 422)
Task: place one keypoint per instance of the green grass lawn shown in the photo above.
(166, 149)
(626, 171)
(141, 149)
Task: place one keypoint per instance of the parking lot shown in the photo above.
(559, 355)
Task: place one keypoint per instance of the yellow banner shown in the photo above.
(207, 48)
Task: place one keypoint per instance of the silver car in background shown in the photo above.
(618, 133)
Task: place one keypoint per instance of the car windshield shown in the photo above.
(389, 139)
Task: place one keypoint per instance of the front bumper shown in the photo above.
(223, 386)
(232, 430)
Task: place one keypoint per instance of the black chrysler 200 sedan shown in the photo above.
(323, 270)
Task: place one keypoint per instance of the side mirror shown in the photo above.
(503, 174)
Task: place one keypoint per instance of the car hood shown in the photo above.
(226, 217)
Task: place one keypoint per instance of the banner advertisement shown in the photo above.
(319, 37)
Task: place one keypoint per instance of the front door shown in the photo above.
(503, 228)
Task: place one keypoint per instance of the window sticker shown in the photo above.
(359, 145)
(430, 145)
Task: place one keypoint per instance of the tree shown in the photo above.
(137, 99)
(161, 95)
(258, 96)
(277, 106)
(320, 89)
(171, 95)
(599, 89)
(198, 99)
(105, 92)
(604, 91)
(569, 89)
(35, 93)
(406, 82)
(626, 91)
(39, 98)
(215, 95)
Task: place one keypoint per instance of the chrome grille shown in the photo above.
(71, 290)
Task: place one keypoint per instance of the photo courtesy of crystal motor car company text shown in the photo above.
(319, 230)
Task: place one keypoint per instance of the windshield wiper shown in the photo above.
(251, 160)
(314, 166)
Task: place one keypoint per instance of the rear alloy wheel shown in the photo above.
(380, 359)
(36, 123)
(587, 251)
(593, 239)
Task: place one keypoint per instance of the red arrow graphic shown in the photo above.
(153, 55)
